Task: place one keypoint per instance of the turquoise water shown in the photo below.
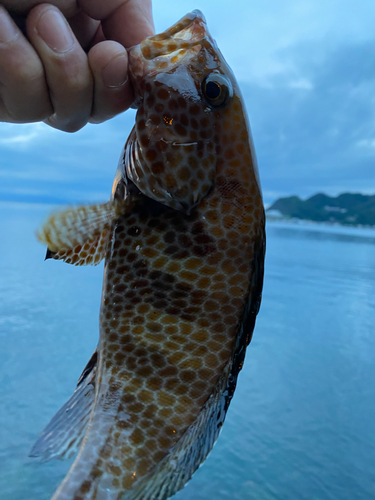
(302, 422)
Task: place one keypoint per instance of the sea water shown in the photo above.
(302, 422)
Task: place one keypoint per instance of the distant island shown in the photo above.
(347, 208)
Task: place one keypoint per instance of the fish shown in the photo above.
(183, 238)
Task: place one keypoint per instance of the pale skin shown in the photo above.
(68, 65)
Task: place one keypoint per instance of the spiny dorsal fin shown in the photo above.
(77, 226)
(62, 437)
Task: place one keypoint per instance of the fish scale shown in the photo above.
(182, 281)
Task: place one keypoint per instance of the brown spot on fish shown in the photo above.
(180, 269)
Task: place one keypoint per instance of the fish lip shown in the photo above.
(154, 51)
(192, 29)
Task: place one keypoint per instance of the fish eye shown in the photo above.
(217, 90)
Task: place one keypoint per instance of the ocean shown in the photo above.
(302, 422)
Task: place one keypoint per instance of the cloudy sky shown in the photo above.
(307, 72)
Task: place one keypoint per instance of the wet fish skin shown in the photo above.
(183, 274)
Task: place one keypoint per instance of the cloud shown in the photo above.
(307, 71)
(14, 136)
(17, 139)
(366, 143)
(54, 166)
(317, 136)
(301, 83)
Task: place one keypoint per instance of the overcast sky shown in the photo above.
(307, 72)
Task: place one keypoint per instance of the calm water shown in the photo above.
(302, 422)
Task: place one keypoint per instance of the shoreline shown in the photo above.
(327, 227)
(270, 220)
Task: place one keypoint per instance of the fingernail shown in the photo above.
(115, 74)
(54, 30)
(8, 30)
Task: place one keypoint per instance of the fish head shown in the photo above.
(182, 86)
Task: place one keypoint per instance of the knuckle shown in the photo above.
(100, 118)
(25, 110)
(73, 127)
(27, 73)
(38, 115)
(74, 75)
(77, 86)
(65, 125)
(28, 116)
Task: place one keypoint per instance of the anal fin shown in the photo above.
(175, 470)
(62, 437)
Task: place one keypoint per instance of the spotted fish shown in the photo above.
(183, 241)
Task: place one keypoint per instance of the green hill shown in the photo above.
(347, 208)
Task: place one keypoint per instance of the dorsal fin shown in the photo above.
(62, 437)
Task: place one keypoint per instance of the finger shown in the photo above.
(130, 23)
(84, 29)
(125, 21)
(67, 7)
(112, 89)
(66, 67)
(99, 36)
(23, 89)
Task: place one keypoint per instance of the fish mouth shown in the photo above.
(185, 34)
(164, 51)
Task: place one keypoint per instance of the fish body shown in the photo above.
(183, 241)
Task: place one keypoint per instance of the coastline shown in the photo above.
(271, 221)
(327, 227)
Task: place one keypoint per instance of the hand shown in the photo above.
(47, 75)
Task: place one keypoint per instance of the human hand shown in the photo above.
(71, 67)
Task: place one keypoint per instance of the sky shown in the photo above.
(306, 69)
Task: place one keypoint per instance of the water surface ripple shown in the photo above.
(302, 423)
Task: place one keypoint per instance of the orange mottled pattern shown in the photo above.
(79, 235)
(178, 270)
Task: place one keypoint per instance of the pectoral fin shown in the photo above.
(91, 253)
(62, 437)
(79, 235)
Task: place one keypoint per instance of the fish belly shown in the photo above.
(175, 290)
